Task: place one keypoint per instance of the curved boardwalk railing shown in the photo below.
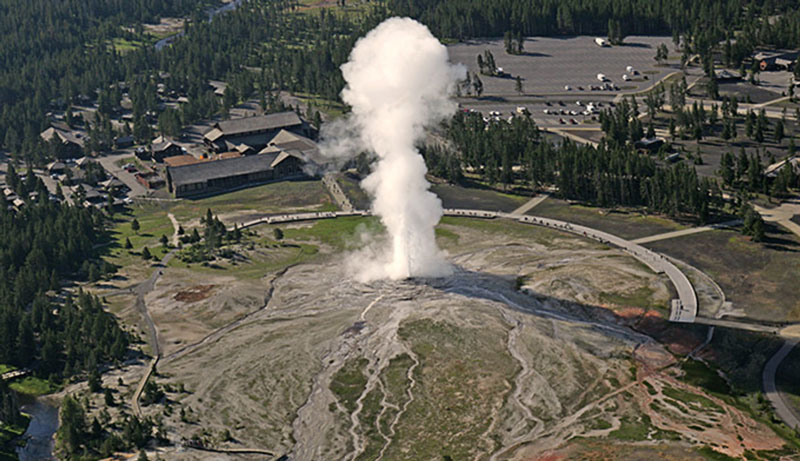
(683, 309)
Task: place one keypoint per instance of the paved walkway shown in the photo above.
(690, 231)
(530, 204)
(329, 181)
(782, 408)
(781, 215)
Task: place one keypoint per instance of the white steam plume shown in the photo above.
(399, 81)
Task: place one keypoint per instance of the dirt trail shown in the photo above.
(176, 227)
(141, 290)
(220, 332)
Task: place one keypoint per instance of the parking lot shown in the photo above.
(548, 64)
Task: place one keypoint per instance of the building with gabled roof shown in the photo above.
(300, 146)
(220, 175)
(253, 131)
(71, 144)
(161, 150)
(55, 167)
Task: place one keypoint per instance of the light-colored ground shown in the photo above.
(466, 366)
(166, 27)
(548, 64)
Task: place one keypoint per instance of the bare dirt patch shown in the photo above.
(194, 294)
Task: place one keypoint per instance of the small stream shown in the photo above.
(166, 41)
(40, 432)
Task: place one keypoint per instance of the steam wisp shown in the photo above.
(399, 81)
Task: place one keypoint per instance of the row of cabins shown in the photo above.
(12, 199)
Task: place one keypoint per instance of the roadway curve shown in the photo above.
(771, 391)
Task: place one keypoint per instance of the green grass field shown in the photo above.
(123, 46)
(33, 386)
(339, 233)
(536, 234)
(274, 197)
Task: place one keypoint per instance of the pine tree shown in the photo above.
(779, 131)
(95, 383)
(108, 398)
(146, 254)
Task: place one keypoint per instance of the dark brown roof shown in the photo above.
(202, 172)
(260, 123)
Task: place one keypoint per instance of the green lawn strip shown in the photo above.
(333, 109)
(339, 233)
(122, 45)
(153, 223)
(277, 197)
(33, 386)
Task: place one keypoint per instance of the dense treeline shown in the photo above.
(613, 174)
(80, 438)
(476, 18)
(59, 50)
(9, 407)
(41, 244)
(259, 46)
(53, 56)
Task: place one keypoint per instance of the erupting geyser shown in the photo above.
(399, 81)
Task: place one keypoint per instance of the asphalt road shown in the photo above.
(783, 409)
(109, 163)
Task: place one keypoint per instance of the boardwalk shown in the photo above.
(684, 309)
